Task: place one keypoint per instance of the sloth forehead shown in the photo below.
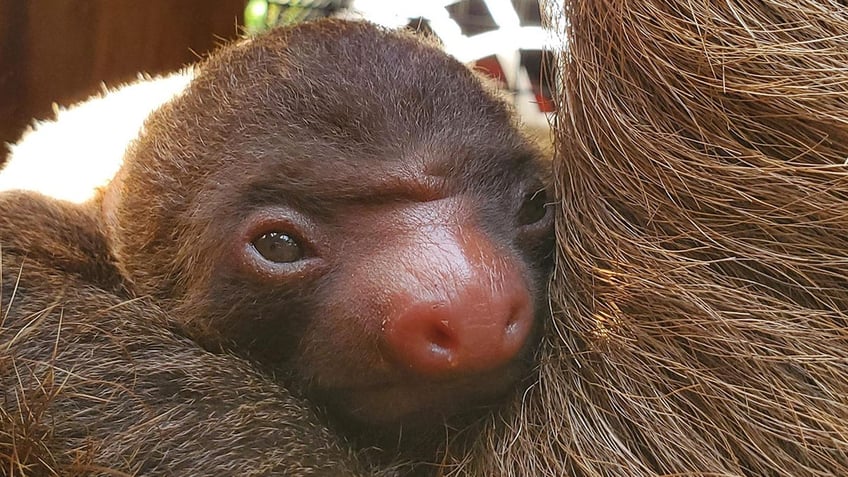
(351, 80)
(308, 108)
(317, 171)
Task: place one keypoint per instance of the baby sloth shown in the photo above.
(350, 208)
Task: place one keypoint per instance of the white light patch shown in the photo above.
(70, 157)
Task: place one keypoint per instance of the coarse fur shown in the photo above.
(354, 140)
(386, 145)
(96, 384)
(701, 294)
(699, 324)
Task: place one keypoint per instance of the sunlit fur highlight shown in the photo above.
(700, 297)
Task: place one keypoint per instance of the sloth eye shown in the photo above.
(534, 208)
(278, 247)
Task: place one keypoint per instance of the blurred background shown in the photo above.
(63, 51)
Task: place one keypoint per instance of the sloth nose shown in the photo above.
(478, 327)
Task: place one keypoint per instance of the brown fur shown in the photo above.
(95, 384)
(699, 323)
(701, 293)
(323, 113)
(355, 128)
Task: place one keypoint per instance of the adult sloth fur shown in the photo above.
(702, 286)
(700, 297)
